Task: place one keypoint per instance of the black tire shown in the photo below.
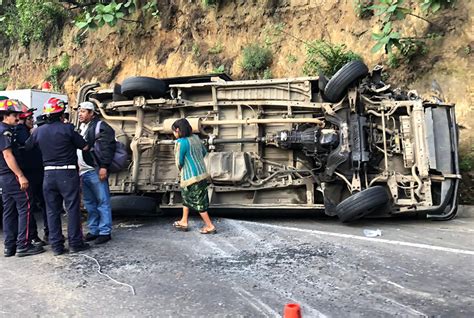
(362, 204)
(117, 94)
(337, 86)
(147, 86)
(322, 82)
(133, 205)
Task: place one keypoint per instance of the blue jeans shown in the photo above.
(97, 201)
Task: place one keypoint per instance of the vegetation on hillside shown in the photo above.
(27, 21)
(256, 60)
(399, 48)
(325, 58)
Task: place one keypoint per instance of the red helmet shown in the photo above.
(25, 111)
(54, 106)
(10, 106)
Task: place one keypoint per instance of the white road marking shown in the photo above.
(394, 284)
(362, 238)
(409, 309)
(256, 303)
(213, 246)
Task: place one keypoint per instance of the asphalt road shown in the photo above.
(252, 268)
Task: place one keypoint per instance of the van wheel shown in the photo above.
(133, 205)
(147, 86)
(337, 86)
(117, 94)
(362, 204)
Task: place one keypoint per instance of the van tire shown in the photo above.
(337, 86)
(143, 86)
(362, 204)
(117, 94)
(133, 205)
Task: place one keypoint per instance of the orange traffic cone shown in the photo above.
(292, 311)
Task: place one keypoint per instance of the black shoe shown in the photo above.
(7, 252)
(37, 242)
(102, 239)
(90, 237)
(79, 248)
(60, 252)
(46, 239)
(29, 250)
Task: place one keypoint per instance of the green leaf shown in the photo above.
(81, 24)
(392, 8)
(108, 8)
(387, 27)
(108, 18)
(436, 6)
(119, 15)
(395, 35)
(377, 36)
(377, 47)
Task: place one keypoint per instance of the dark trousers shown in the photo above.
(59, 186)
(16, 212)
(38, 206)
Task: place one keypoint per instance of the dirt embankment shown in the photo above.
(189, 39)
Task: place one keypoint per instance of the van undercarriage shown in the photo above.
(352, 147)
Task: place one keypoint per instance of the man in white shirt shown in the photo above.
(93, 169)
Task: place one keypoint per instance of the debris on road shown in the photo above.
(372, 233)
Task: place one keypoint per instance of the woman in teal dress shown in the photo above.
(189, 156)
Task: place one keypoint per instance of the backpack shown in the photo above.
(120, 160)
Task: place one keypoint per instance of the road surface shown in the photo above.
(252, 268)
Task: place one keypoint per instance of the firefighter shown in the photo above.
(15, 192)
(31, 164)
(58, 143)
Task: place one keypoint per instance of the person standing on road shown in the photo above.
(189, 156)
(31, 163)
(93, 169)
(58, 143)
(15, 192)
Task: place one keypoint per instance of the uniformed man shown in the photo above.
(58, 143)
(15, 192)
(31, 163)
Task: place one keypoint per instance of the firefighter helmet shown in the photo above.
(25, 111)
(10, 106)
(54, 106)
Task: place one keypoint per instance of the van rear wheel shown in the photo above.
(337, 86)
(143, 86)
(362, 204)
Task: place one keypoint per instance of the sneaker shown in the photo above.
(37, 242)
(29, 250)
(79, 248)
(102, 239)
(90, 237)
(7, 252)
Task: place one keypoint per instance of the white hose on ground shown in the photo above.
(106, 275)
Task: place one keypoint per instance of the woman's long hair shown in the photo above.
(185, 129)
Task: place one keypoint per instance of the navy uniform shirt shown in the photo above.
(28, 160)
(6, 136)
(58, 143)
